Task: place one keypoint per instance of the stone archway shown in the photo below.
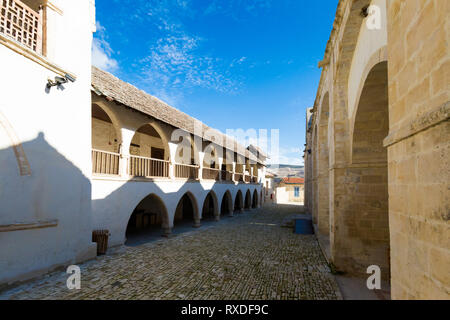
(149, 153)
(148, 218)
(187, 211)
(210, 207)
(238, 202)
(248, 200)
(364, 216)
(255, 200)
(323, 210)
(226, 206)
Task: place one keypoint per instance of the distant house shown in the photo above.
(290, 189)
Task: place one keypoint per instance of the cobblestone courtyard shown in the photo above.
(249, 256)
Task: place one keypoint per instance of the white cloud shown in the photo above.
(102, 52)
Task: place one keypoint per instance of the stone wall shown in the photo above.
(418, 147)
(387, 141)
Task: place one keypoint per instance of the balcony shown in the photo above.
(186, 171)
(227, 175)
(147, 167)
(211, 174)
(104, 162)
(109, 163)
(22, 23)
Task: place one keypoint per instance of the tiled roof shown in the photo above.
(293, 180)
(105, 84)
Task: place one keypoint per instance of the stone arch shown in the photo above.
(187, 210)
(149, 215)
(210, 206)
(149, 152)
(255, 202)
(104, 120)
(323, 160)
(366, 209)
(315, 186)
(248, 200)
(238, 202)
(226, 206)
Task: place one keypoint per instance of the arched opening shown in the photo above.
(323, 169)
(248, 200)
(186, 156)
(186, 211)
(238, 202)
(369, 196)
(226, 207)
(255, 200)
(146, 220)
(105, 143)
(210, 207)
(149, 154)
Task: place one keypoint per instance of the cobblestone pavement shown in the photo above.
(249, 256)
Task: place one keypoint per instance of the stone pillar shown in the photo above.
(197, 223)
(220, 160)
(127, 136)
(201, 157)
(167, 231)
(173, 150)
(233, 171)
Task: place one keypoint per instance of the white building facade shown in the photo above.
(81, 150)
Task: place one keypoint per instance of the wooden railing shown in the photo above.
(227, 175)
(186, 171)
(147, 167)
(238, 177)
(254, 179)
(21, 23)
(104, 162)
(211, 174)
(247, 178)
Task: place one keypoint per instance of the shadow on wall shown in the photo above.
(57, 195)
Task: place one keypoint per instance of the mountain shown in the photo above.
(285, 170)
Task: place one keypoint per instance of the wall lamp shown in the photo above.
(59, 80)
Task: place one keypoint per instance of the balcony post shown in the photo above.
(220, 160)
(233, 177)
(201, 157)
(127, 136)
(173, 151)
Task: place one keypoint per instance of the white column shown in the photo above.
(234, 171)
(220, 160)
(173, 151)
(201, 157)
(127, 136)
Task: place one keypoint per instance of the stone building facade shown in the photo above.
(377, 152)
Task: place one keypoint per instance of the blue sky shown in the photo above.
(229, 63)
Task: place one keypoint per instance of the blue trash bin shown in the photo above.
(303, 226)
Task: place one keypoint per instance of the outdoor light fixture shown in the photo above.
(59, 80)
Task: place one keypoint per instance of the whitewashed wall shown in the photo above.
(55, 131)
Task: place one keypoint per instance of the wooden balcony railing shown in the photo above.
(104, 162)
(186, 171)
(238, 177)
(147, 167)
(247, 178)
(254, 179)
(211, 174)
(227, 175)
(21, 23)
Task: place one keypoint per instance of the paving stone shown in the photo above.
(249, 256)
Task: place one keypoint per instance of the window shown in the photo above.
(296, 192)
